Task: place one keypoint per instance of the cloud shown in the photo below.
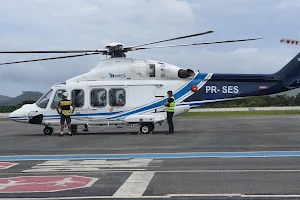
(289, 4)
(91, 24)
(241, 60)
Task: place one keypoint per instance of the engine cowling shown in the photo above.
(185, 73)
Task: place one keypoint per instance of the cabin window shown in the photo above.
(152, 70)
(57, 98)
(44, 100)
(78, 98)
(117, 97)
(98, 98)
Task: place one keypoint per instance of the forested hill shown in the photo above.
(4, 98)
(25, 96)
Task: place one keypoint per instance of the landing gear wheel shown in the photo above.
(48, 130)
(151, 127)
(73, 129)
(146, 128)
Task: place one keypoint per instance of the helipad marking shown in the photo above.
(135, 185)
(29, 184)
(155, 155)
(6, 165)
(91, 165)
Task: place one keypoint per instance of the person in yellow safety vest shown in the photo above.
(170, 105)
(66, 112)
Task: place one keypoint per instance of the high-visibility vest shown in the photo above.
(171, 107)
(65, 107)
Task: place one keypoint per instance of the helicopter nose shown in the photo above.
(19, 115)
(14, 115)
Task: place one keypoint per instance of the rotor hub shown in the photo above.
(115, 49)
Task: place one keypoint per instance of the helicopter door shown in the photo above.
(140, 95)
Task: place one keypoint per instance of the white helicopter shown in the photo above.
(125, 91)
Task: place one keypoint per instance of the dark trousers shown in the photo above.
(170, 121)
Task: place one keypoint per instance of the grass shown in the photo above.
(241, 113)
(4, 119)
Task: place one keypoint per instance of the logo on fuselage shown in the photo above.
(117, 75)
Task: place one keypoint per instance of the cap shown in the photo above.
(65, 94)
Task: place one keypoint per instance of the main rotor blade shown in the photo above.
(200, 43)
(177, 38)
(51, 58)
(59, 51)
(288, 41)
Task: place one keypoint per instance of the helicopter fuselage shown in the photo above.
(133, 92)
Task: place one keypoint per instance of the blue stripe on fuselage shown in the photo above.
(177, 95)
(197, 79)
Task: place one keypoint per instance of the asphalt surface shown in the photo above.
(223, 177)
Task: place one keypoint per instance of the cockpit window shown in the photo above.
(57, 98)
(43, 101)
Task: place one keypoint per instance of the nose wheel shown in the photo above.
(48, 130)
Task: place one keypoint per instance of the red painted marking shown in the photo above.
(263, 87)
(6, 165)
(23, 184)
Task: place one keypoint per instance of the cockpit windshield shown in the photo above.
(43, 101)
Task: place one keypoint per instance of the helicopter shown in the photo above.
(123, 91)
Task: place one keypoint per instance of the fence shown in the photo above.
(4, 115)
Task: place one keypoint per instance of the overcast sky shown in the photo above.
(91, 24)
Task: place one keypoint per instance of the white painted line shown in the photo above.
(2, 165)
(133, 170)
(272, 196)
(78, 170)
(235, 195)
(204, 195)
(88, 197)
(91, 165)
(135, 185)
(230, 171)
(159, 197)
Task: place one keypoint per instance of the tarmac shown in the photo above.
(253, 157)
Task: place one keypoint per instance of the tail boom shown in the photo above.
(222, 87)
